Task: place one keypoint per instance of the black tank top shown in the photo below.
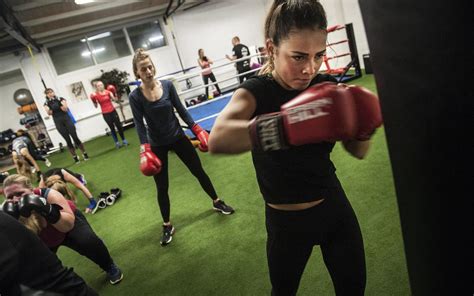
(296, 175)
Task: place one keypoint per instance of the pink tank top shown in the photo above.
(206, 67)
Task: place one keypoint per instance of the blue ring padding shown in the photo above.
(205, 113)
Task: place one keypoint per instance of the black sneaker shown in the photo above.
(116, 192)
(85, 156)
(110, 199)
(101, 202)
(114, 274)
(76, 159)
(220, 206)
(168, 231)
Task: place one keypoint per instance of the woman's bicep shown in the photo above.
(70, 178)
(55, 197)
(230, 131)
(242, 105)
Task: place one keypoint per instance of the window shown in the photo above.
(108, 46)
(147, 36)
(70, 56)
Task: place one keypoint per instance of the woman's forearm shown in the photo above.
(230, 137)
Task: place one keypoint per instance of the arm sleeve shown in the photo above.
(183, 113)
(138, 112)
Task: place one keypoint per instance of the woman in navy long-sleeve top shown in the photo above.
(155, 101)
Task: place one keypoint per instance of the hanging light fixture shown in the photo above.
(79, 2)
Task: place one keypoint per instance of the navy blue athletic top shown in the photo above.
(163, 127)
(298, 174)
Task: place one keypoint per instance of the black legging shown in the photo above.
(188, 155)
(332, 225)
(113, 121)
(246, 76)
(83, 240)
(205, 78)
(67, 130)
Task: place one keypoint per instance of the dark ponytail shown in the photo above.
(285, 16)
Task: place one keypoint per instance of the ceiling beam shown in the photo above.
(12, 26)
(81, 32)
(76, 12)
(93, 20)
(33, 4)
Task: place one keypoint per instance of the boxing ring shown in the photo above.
(205, 113)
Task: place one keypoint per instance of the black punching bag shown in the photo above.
(422, 62)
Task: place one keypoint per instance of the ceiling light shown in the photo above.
(98, 36)
(155, 38)
(88, 53)
(79, 2)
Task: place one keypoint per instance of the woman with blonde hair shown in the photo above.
(23, 167)
(55, 182)
(56, 220)
(155, 101)
(76, 179)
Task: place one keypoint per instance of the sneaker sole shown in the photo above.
(94, 210)
(163, 244)
(117, 281)
(223, 212)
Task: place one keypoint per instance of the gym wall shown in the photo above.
(10, 82)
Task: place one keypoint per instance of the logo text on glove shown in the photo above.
(268, 133)
(308, 111)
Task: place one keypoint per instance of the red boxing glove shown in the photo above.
(112, 89)
(323, 112)
(150, 164)
(93, 97)
(202, 136)
(369, 116)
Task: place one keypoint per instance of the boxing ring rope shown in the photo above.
(215, 67)
(178, 78)
(354, 62)
(337, 42)
(222, 80)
